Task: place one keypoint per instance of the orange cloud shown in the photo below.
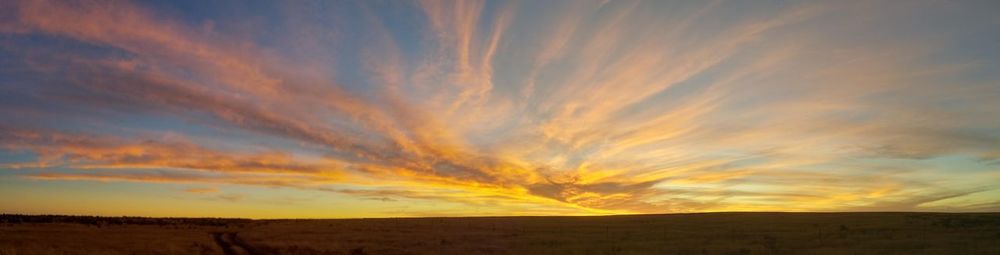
(606, 107)
(201, 190)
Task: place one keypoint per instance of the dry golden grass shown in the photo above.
(712, 233)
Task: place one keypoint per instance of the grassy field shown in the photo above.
(709, 233)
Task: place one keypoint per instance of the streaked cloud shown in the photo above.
(201, 190)
(520, 107)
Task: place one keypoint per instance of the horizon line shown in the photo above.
(512, 216)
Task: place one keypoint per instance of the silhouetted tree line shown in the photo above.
(102, 221)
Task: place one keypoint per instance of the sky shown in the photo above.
(344, 109)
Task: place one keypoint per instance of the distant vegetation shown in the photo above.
(97, 220)
(709, 233)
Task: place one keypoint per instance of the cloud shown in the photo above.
(82, 151)
(231, 197)
(547, 107)
(201, 190)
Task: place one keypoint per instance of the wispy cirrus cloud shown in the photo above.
(548, 107)
(201, 190)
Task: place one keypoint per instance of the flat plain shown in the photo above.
(702, 233)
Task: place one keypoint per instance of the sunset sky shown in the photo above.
(330, 109)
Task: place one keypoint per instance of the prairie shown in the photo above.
(702, 233)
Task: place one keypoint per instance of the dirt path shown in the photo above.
(231, 244)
